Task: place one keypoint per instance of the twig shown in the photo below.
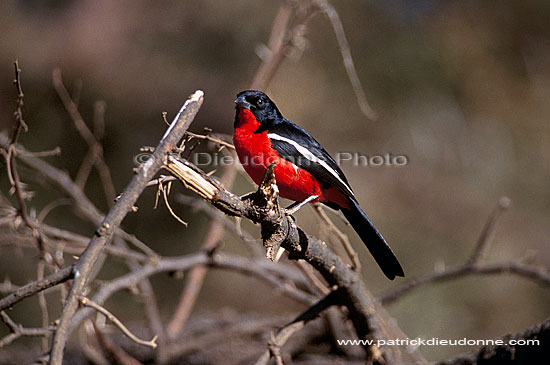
(56, 278)
(344, 240)
(283, 35)
(19, 121)
(318, 284)
(338, 28)
(196, 276)
(472, 265)
(43, 304)
(165, 191)
(124, 204)
(90, 158)
(261, 269)
(18, 331)
(54, 152)
(211, 139)
(81, 242)
(488, 231)
(13, 173)
(200, 205)
(540, 275)
(206, 339)
(283, 335)
(87, 135)
(117, 353)
(83, 205)
(89, 303)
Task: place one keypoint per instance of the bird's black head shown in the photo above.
(263, 108)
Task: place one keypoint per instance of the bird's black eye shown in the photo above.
(260, 102)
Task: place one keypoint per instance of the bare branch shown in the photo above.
(36, 286)
(344, 240)
(91, 157)
(283, 36)
(211, 139)
(472, 266)
(275, 275)
(19, 331)
(124, 204)
(262, 207)
(507, 353)
(165, 191)
(87, 135)
(488, 231)
(197, 274)
(338, 28)
(117, 353)
(83, 205)
(540, 275)
(89, 303)
(19, 122)
(283, 335)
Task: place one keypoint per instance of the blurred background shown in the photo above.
(461, 88)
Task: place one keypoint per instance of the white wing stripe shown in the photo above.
(310, 156)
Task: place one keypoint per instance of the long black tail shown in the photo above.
(379, 249)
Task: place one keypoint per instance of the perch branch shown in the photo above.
(277, 228)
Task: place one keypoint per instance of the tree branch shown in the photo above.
(472, 265)
(37, 286)
(262, 207)
(283, 335)
(124, 204)
(18, 331)
(275, 275)
(90, 303)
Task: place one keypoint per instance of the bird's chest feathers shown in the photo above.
(249, 144)
(255, 152)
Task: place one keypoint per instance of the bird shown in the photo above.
(304, 171)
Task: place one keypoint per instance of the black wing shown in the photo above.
(296, 145)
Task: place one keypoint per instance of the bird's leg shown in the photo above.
(294, 207)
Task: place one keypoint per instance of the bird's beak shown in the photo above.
(241, 102)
